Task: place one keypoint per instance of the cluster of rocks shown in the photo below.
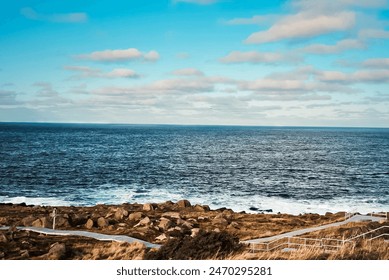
(154, 222)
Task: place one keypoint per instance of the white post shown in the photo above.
(54, 216)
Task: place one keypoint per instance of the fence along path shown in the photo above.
(290, 239)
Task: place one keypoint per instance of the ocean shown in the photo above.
(282, 169)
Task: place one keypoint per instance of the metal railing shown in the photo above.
(324, 243)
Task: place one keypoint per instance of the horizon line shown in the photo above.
(178, 124)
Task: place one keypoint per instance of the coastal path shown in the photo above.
(355, 218)
(98, 236)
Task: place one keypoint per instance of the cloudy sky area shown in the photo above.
(297, 62)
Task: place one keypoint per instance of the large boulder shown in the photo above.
(27, 221)
(183, 203)
(120, 214)
(102, 222)
(220, 222)
(174, 215)
(56, 252)
(136, 216)
(144, 222)
(148, 207)
(89, 224)
(165, 223)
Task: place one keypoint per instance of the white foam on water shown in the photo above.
(119, 195)
(43, 201)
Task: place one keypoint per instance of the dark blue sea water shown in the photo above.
(284, 169)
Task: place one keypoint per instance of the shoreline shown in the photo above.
(157, 223)
(266, 205)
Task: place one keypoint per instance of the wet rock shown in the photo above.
(136, 216)
(165, 223)
(120, 214)
(183, 203)
(102, 222)
(148, 207)
(89, 224)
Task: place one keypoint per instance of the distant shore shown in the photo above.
(157, 223)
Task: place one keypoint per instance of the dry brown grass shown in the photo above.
(361, 250)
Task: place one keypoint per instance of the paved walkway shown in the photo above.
(356, 218)
(98, 236)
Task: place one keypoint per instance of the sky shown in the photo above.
(227, 62)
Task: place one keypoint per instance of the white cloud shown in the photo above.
(31, 14)
(188, 72)
(304, 25)
(334, 6)
(8, 98)
(374, 34)
(340, 46)
(258, 19)
(377, 63)
(362, 76)
(119, 55)
(200, 2)
(257, 57)
(87, 72)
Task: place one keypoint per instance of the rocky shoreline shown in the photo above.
(158, 223)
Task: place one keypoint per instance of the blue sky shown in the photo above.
(298, 62)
